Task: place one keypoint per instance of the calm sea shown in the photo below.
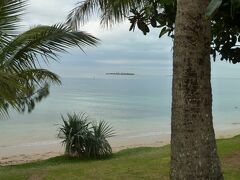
(135, 106)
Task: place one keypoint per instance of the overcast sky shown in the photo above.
(119, 51)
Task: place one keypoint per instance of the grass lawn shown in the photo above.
(137, 163)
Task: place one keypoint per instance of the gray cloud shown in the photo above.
(120, 50)
(48, 11)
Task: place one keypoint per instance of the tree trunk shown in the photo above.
(193, 151)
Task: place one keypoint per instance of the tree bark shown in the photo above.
(193, 146)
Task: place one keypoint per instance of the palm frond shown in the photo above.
(82, 12)
(39, 76)
(23, 89)
(110, 11)
(10, 13)
(117, 11)
(73, 132)
(11, 86)
(103, 129)
(42, 41)
(23, 82)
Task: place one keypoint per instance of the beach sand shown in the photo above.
(16, 155)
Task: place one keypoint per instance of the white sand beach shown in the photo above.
(13, 155)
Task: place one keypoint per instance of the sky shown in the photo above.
(119, 50)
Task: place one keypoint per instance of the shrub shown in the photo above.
(97, 144)
(83, 138)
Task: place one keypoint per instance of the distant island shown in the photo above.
(120, 73)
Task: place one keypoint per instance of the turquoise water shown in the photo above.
(135, 106)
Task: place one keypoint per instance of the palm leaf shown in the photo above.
(110, 11)
(82, 138)
(10, 13)
(41, 41)
(23, 82)
(103, 129)
(73, 132)
(39, 76)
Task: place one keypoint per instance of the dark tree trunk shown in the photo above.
(193, 151)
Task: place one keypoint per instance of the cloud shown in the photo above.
(48, 11)
(119, 49)
(128, 62)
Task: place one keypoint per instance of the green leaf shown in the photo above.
(163, 31)
(143, 27)
(213, 7)
(153, 22)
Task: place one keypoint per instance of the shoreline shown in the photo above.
(13, 156)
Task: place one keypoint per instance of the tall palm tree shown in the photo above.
(194, 152)
(22, 79)
(193, 146)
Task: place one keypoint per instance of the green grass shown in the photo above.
(136, 163)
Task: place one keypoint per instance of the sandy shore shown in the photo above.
(16, 155)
